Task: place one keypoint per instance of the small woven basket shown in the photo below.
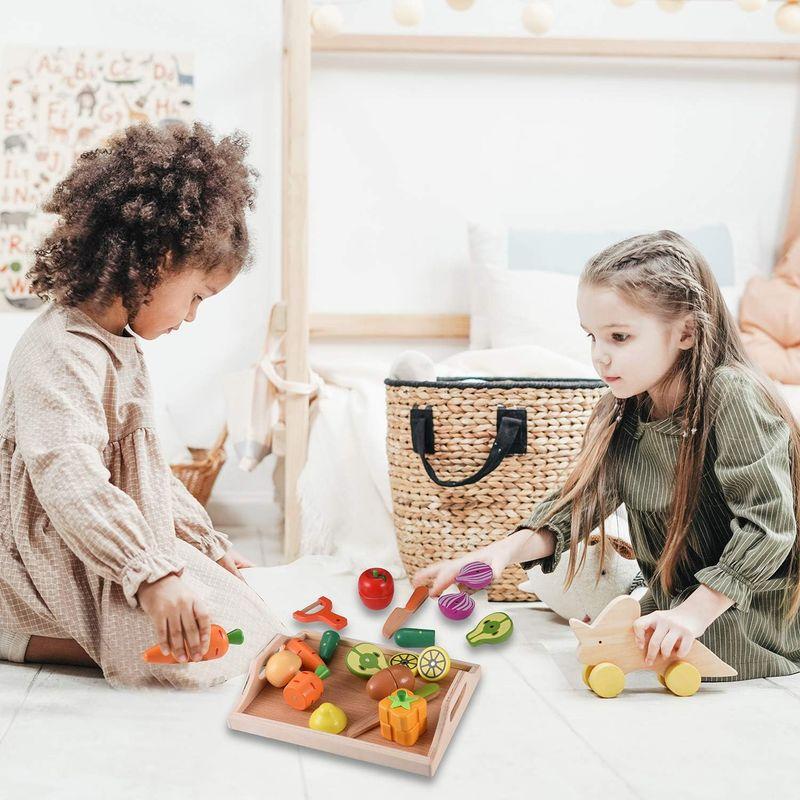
(199, 475)
(470, 457)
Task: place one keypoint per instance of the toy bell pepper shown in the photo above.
(375, 588)
(403, 717)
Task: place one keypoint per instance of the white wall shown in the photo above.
(404, 152)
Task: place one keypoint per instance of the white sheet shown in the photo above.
(344, 488)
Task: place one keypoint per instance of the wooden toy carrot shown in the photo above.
(309, 657)
(217, 647)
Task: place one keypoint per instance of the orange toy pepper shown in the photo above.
(403, 717)
(217, 647)
(309, 657)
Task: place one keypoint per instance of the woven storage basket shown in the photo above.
(199, 475)
(509, 440)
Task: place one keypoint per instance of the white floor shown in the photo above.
(532, 729)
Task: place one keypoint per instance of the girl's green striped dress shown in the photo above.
(741, 535)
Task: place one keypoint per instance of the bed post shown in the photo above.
(294, 284)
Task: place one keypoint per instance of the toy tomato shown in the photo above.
(375, 588)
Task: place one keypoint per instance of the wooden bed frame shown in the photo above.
(290, 317)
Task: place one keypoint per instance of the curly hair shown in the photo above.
(148, 194)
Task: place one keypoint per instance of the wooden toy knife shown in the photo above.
(399, 616)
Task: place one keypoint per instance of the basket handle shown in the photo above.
(511, 438)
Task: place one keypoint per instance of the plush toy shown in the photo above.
(413, 366)
(583, 600)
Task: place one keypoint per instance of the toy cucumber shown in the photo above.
(328, 643)
(492, 629)
(415, 637)
(365, 660)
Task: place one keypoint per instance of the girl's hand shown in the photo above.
(179, 617)
(233, 562)
(676, 628)
(498, 555)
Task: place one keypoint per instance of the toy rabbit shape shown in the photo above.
(608, 649)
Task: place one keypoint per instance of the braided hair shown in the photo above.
(666, 275)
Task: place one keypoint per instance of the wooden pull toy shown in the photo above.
(217, 647)
(399, 616)
(321, 610)
(608, 649)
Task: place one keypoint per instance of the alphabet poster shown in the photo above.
(56, 104)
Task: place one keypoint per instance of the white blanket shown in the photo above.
(344, 488)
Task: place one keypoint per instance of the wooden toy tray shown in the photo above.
(262, 711)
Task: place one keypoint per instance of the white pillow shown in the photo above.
(535, 307)
(518, 249)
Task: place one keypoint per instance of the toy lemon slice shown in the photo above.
(365, 660)
(409, 660)
(434, 663)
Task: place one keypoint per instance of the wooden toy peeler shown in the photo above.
(321, 610)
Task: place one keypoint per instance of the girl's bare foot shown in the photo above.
(44, 650)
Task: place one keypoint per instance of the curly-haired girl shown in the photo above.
(702, 450)
(102, 549)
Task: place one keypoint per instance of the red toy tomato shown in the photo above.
(375, 588)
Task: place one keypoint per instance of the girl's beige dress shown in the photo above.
(89, 509)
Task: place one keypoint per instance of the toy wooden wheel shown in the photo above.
(586, 670)
(682, 678)
(606, 679)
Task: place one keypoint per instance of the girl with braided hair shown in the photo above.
(703, 451)
(102, 550)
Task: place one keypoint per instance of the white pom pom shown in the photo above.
(538, 16)
(787, 18)
(327, 20)
(460, 5)
(413, 366)
(408, 12)
(671, 6)
(751, 5)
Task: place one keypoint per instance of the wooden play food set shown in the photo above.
(217, 647)
(400, 616)
(383, 683)
(321, 610)
(328, 644)
(375, 588)
(415, 637)
(329, 718)
(281, 668)
(470, 578)
(261, 710)
(403, 717)
(608, 649)
(492, 629)
(434, 664)
(409, 660)
(365, 659)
